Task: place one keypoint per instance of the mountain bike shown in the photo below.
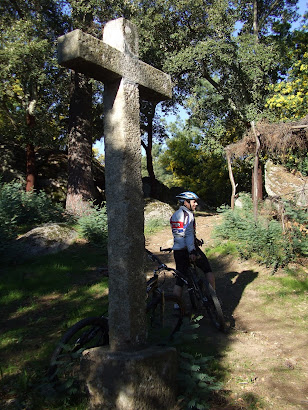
(162, 320)
(165, 311)
(203, 297)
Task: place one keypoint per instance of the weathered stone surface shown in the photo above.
(123, 377)
(95, 58)
(144, 379)
(43, 240)
(157, 210)
(282, 184)
(124, 198)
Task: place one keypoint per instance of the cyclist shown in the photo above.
(185, 244)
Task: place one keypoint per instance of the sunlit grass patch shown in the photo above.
(154, 225)
(13, 295)
(10, 338)
(284, 287)
(98, 289)
(222, 248)
(292, 285)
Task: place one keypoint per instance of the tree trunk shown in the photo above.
(260, 183)
(231, 180)
(148, 150)
(31, 168)
(255, 194)
(80, 189)
(255, 20)
(150, 158)
(30, 152)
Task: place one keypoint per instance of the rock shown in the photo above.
(238, 203)
(279, 183)
(43, 240)
(155, 209)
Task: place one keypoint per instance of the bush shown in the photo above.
(264, 239)
(19, 208)
(93, 226)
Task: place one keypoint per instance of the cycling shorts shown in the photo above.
(182, 262)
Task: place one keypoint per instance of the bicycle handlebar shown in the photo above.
(165, 249)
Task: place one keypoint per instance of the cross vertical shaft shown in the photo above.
(115, 62)
(127, 328)
(123, 376)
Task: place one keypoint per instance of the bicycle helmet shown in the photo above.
(188, 195)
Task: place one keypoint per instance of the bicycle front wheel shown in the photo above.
(212, 306)
(165, 313)
(65, 361)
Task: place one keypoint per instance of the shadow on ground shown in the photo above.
(230, 286)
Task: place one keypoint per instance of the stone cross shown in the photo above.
(114, 61)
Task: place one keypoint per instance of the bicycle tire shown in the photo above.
(163, 320)
(65, 360)
(212, 306)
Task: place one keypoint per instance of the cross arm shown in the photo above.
(89, 55)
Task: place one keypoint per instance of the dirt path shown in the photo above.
(262, 359)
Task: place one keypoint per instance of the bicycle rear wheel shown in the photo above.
(65, 360)
(213, 306)
(163, 319)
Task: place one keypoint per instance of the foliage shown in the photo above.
(265, 239)
(288, 99)
(296, 232)
(195, 383)
(93, 225)
(31, 81)
(19, 208)
(197, 163)
(222, 58)
(194, 380)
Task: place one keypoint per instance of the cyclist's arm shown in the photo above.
(190, 237)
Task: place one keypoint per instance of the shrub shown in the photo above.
(19, 208)
(93, 226)
(265, 238)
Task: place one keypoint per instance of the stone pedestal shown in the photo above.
(139, 380)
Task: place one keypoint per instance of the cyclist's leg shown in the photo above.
(181, 258)
(203, 263)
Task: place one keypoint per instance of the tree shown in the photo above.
(30, 79)
(154, 26)
(288, 99)
(195, 166)
(88, 16)
(225, 55)
(151, 130)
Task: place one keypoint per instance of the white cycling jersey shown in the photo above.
(183, 229)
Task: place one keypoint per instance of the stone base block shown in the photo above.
(144, 379)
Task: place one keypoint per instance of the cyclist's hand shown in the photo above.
(199, 242)
(193, 256)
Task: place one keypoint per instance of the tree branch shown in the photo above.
(220, 91)
(8, 115)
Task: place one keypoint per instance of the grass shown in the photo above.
(39, 300)
(154, 225)
(42, 298)
(223, 248)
